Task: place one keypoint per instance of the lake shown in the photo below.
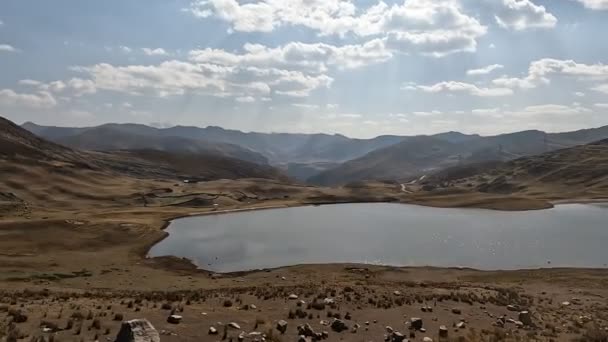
(569, 235)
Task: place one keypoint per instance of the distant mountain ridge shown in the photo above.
(277, 148)
(428, 154)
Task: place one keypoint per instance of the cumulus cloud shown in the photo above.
(540, 71)
(521, 15)
(434, 27)
(595, 4)
(300, 56)
(462, 87)
(485, 70)
(153, 52)
(41, 99)
(178, 77)
(7, 48)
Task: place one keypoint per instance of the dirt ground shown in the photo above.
(73, 262)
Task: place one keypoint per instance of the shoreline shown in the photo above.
(191, 264)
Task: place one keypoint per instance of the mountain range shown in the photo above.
(323, 159)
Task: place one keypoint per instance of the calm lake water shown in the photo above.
(394, 234)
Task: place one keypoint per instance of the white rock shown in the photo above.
(234, 325)
(293, 296)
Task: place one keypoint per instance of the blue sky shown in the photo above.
(360, 68)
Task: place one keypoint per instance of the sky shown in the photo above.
(361, 68)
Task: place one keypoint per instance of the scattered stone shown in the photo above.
(324, 322)
(422, 330)
(427, 339)
(234, 325)
(519, 324)
(443, 331)
(293, 296)
(456, 311)
(174, 319)
(397, 293)
(137, 330)
(513, 307)
(366, 322)
(398, 337)
(301, 302)
(525, 317)
(329, 301)
(389, 330)
(253, 307)
(282, 326)
(338, 326)
(566, 303)
(324, 335)
(212, 331)
(461, 325)
(416, 323)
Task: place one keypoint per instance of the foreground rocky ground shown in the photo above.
(353, 303)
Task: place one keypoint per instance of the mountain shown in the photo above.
(136, 137)
(278, 148)
(565, 173)
(22, 148)
(424, 155)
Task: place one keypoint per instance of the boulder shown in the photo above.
(398, 337)
(427, 339)
(525, 318)
(137, 330)
(338, 325)
(293, 296)
(456, 311)
(461, 325)
(174, 319)
(212, 331)
(513, 307)
(282, 326)
(443, 331)
(234, 325)
(416, 323)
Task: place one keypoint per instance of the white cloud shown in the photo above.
(601, 105)
(178, 77)
(462, 87)
(579, 94)
(551, 109)
(432, 27)
(154, 52)
(602, 88)
(125, 49)
(245, 99)
(305, 105)
(540, 70)
(32, 83)
(295, 55)
(7, 48)
(485, 70)
(521, 15)
(40, 99)
(595, 4)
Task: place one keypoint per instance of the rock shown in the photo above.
(443, 331)
(397, 293)
(301, 302)
(306, 330)
(366, 322)
(324, 322)
(416, 323)
(302, 338)
(329, 301)
(566, 303)
(461, 325)
(325, 335)
(174, 319)
(282, 326)
(212, 331)
(253, 307)
(427, 339)
(456, 311)
(347, 317)
(137, 330)
(519, 324)
(241, 337)
(422, 330)
(338, 326)
(513, 307)
(398, 337)
(293, 296)
(234, 325)
(525, 317)
(389, 330)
